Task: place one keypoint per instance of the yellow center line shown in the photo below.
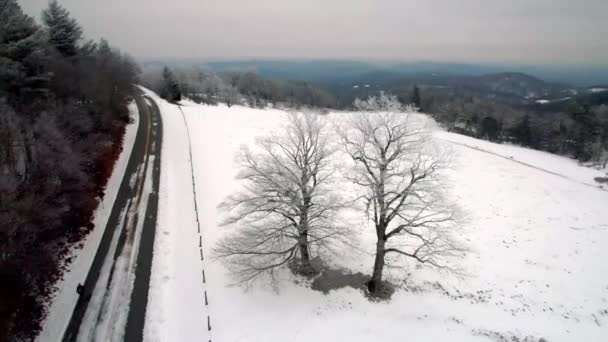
(141, 178)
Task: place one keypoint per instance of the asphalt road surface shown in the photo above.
(148, 142)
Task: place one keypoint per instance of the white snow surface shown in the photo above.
(176, 266)
(65, 298)
(597, 90)
(536, 268)
(559, 165)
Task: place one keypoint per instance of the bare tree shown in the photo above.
(230, 95)
(285, 208)
(397, 167)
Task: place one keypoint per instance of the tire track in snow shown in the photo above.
(100, 313)
(524, 164)
(198, 224)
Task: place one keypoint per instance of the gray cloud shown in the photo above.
(521, 31)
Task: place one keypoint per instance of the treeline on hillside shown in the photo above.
(245, 88)
(503, 107)
(62, 117)
(579, 130)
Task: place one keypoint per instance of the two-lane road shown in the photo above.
(113, 303)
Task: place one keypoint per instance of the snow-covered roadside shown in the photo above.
(65, 298)
(176, 308)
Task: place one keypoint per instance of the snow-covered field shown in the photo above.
(537, 230)
(552, 163)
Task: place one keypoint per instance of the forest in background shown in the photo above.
(578, 129)
(504, 107)
(63, 112)
(233, 87)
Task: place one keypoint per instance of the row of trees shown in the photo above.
(579, 130)
(62, 117)
(287, 209)
(244, 88)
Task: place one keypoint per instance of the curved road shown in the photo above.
(138, 193)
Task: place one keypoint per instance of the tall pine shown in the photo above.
(588, 130)
(522, 131)
(416, 100)
(64, 32)
(22, 56)
(170, 90)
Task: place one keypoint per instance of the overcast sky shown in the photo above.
(516, 31)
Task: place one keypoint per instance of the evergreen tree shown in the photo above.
(22, 55)
(522, 132)
(64, 32)
(587, 127)
(170, 90)
(489, 128)
(416, 100)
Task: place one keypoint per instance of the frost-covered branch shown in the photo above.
(285, 209)
(397, 164)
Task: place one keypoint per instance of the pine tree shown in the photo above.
(22, 55)
(522, 131)
(416, 100)
(587, 127)
(170, 90)
(64, 32)
(489, 128)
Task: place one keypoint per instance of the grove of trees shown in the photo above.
(576, 128)
(169, 89)
(62, 117)
(245, 88)
(579, 130)
(287, 207)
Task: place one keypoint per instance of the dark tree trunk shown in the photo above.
(307, 268)
(375, 283)
(304, 254)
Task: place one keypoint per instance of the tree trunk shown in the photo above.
(304, 255)
(303, 243)
(376, 282)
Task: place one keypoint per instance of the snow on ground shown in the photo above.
(566, 167)
(536, 269)
(597, 90)
(64, 300)
(176, 310)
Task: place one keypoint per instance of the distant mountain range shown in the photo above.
(506, 87)
(512, 88)
(536, 87)
(324, 71)
(548, 86)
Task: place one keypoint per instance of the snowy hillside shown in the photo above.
(537, 232)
